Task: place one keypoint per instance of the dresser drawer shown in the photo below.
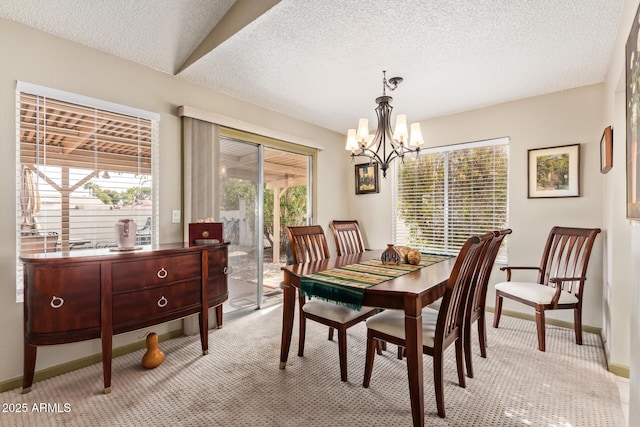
(62, 299)
(144, 305)
(140, 274)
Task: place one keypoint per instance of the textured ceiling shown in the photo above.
(322, 61)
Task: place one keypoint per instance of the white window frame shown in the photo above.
(449, 244)
(99, 106)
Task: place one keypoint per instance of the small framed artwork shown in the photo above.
(554, 172)
(606, 150)
(367, 178)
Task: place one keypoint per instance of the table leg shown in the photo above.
(413, 334)
(288, 311)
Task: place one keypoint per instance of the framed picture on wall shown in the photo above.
(606, 150)
(554, 172)
(632, 68)
(367, 178)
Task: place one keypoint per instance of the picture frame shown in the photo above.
(554, 172)
(366, 175)
(606, 150)
(632, 91)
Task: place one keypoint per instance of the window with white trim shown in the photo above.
(446, 194)
(82, 165)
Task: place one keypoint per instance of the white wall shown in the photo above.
(568, 117)
(35, 57)
(623, 244)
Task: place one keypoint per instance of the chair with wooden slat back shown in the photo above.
(440, 328)
(561, 276)
(347, 236)
(475, 310)
(308, 244)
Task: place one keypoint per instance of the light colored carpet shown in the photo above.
(239, 384)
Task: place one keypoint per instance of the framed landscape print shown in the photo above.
(632, 53)
(367, 178)
(554, 172)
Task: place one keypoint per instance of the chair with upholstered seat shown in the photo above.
(347, 236)
(308, 244)
(475, 310)
(440, 328)
(561, 276)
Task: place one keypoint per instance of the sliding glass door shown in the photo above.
(262, 190)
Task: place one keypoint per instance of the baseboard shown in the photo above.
(548, 321)
(619, 370)
(54, 371)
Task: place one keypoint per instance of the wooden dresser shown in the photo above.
(88, 294)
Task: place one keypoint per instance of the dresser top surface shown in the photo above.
(115, 253)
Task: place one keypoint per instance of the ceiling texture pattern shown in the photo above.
(322, 61)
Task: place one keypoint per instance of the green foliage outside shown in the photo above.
(445, 197)
(552, 172)
(293, 206)
(123, 198)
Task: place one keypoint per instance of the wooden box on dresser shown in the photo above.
(88, 294)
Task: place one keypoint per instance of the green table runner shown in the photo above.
(346, 285)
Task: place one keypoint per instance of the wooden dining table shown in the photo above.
(410, 292)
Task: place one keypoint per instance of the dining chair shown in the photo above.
(440, 328)
(347, 236)
(308, 243)
(561, 276)
(475, 309)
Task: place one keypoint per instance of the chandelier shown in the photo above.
(383, 147)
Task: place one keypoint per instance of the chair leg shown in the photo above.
(401, 352)
(466, 339)
(460, 362)
(497, 312)
(437, 381)
(368, 365)
(482, 335)
(577, 320)
(342, 352)
(540, 326)
(301, 335)
(379, 346)
(330, 334)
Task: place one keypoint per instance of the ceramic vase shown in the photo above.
(390, 256)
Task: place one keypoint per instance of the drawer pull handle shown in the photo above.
(56, 302)
(162, 273)
(162, 302)
(226, 269)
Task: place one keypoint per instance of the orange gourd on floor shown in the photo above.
(154, 356)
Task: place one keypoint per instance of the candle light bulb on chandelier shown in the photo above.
(352, 142)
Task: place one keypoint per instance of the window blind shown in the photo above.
(80, 170)
(445, 195)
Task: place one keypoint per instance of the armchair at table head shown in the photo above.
(561, 277)
(308, 243)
